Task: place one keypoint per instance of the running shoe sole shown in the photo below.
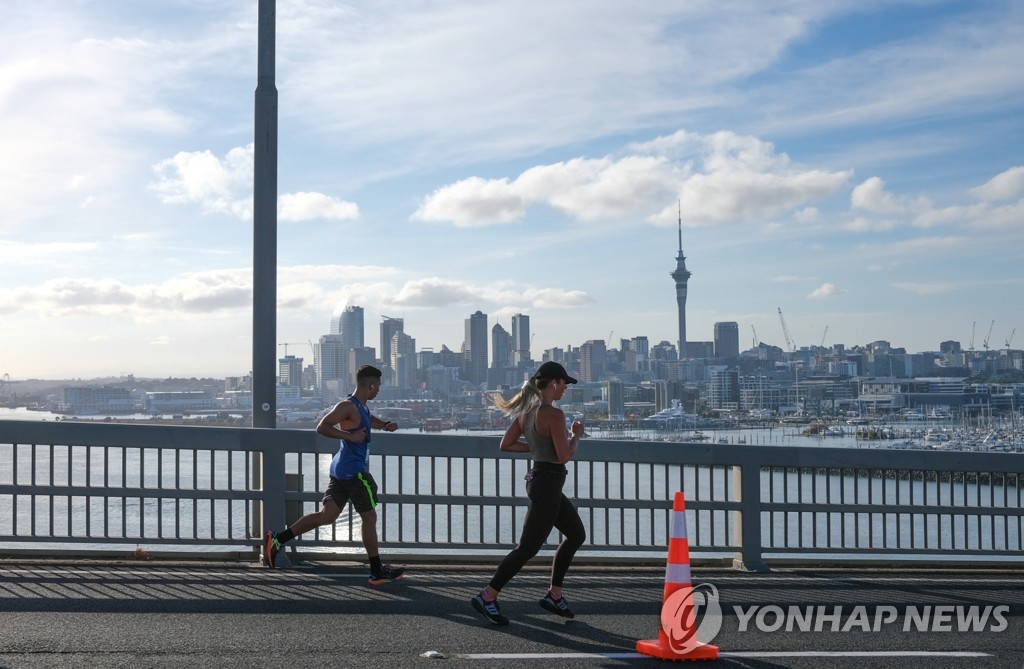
(478, 605)
(549, 605)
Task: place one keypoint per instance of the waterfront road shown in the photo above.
(198, 615)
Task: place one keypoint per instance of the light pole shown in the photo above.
(264, 223)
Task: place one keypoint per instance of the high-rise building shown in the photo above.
(357, 357)
(403, 359)
(727, 340)
(330, 360)
(475, 349)
(351, 327)
(501, 347)
(289, 371)
(388, 327)
(616, 393)
(681, 276)
(520, 338)
(593, 359)
(331, 353)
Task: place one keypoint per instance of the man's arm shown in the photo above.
(342, 422)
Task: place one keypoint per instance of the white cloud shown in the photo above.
(736, 178)
(1003, 186)
(825, 291)
(304, 206)
(473, 202)
(199, 177)
(437, 292)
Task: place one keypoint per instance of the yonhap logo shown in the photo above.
(679, 617)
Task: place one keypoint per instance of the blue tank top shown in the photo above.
(352, 459)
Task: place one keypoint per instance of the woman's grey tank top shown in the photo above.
(542, 449)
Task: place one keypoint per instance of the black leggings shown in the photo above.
(548, 508)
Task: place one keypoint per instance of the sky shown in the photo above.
(856, 165)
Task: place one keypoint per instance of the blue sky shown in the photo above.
(857, 164)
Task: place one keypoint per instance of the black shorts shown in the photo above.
(361, 490)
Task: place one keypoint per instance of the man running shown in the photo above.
(350, 421)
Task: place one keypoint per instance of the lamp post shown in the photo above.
(264, 223)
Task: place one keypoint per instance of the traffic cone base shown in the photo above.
(655, 648)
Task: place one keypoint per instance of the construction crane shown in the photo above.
(989, 335)
(974, 325)
(610, 333)
(1012, 332)
(790, 346)
(792, 359)
(754, 330)
(296, 343)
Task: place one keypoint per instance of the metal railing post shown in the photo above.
(747, 521)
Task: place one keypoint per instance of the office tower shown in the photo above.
(403, 359)
(727, 340)
(388, 327)
(616, 393)
(593, 357)
(636, 354)
(289, 371)
(681, 276)
(475, 349)
(357, 357)
(351, 327)
(501, 347)
(330, 360)
(520, 338)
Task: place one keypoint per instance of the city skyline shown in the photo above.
(855, 165)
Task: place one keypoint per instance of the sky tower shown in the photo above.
(681, 276)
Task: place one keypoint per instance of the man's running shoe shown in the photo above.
(271, 546)
(558, 606)
(386, 575)
(489, 610)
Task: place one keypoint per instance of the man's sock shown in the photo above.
(375, 566)
(285, 535)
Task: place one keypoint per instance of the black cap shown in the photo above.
(551, 371)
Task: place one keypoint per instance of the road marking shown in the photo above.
(752, 653)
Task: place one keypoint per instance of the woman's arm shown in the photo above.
(511, 442)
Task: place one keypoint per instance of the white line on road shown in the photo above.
(752, 653)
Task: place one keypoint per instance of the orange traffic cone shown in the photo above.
(677, 636)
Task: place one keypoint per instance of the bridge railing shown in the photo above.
(96, 487)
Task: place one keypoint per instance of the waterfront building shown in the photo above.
(180, 401)
(724, 389)
(93, 400)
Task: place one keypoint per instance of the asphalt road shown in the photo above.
(325, 615)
